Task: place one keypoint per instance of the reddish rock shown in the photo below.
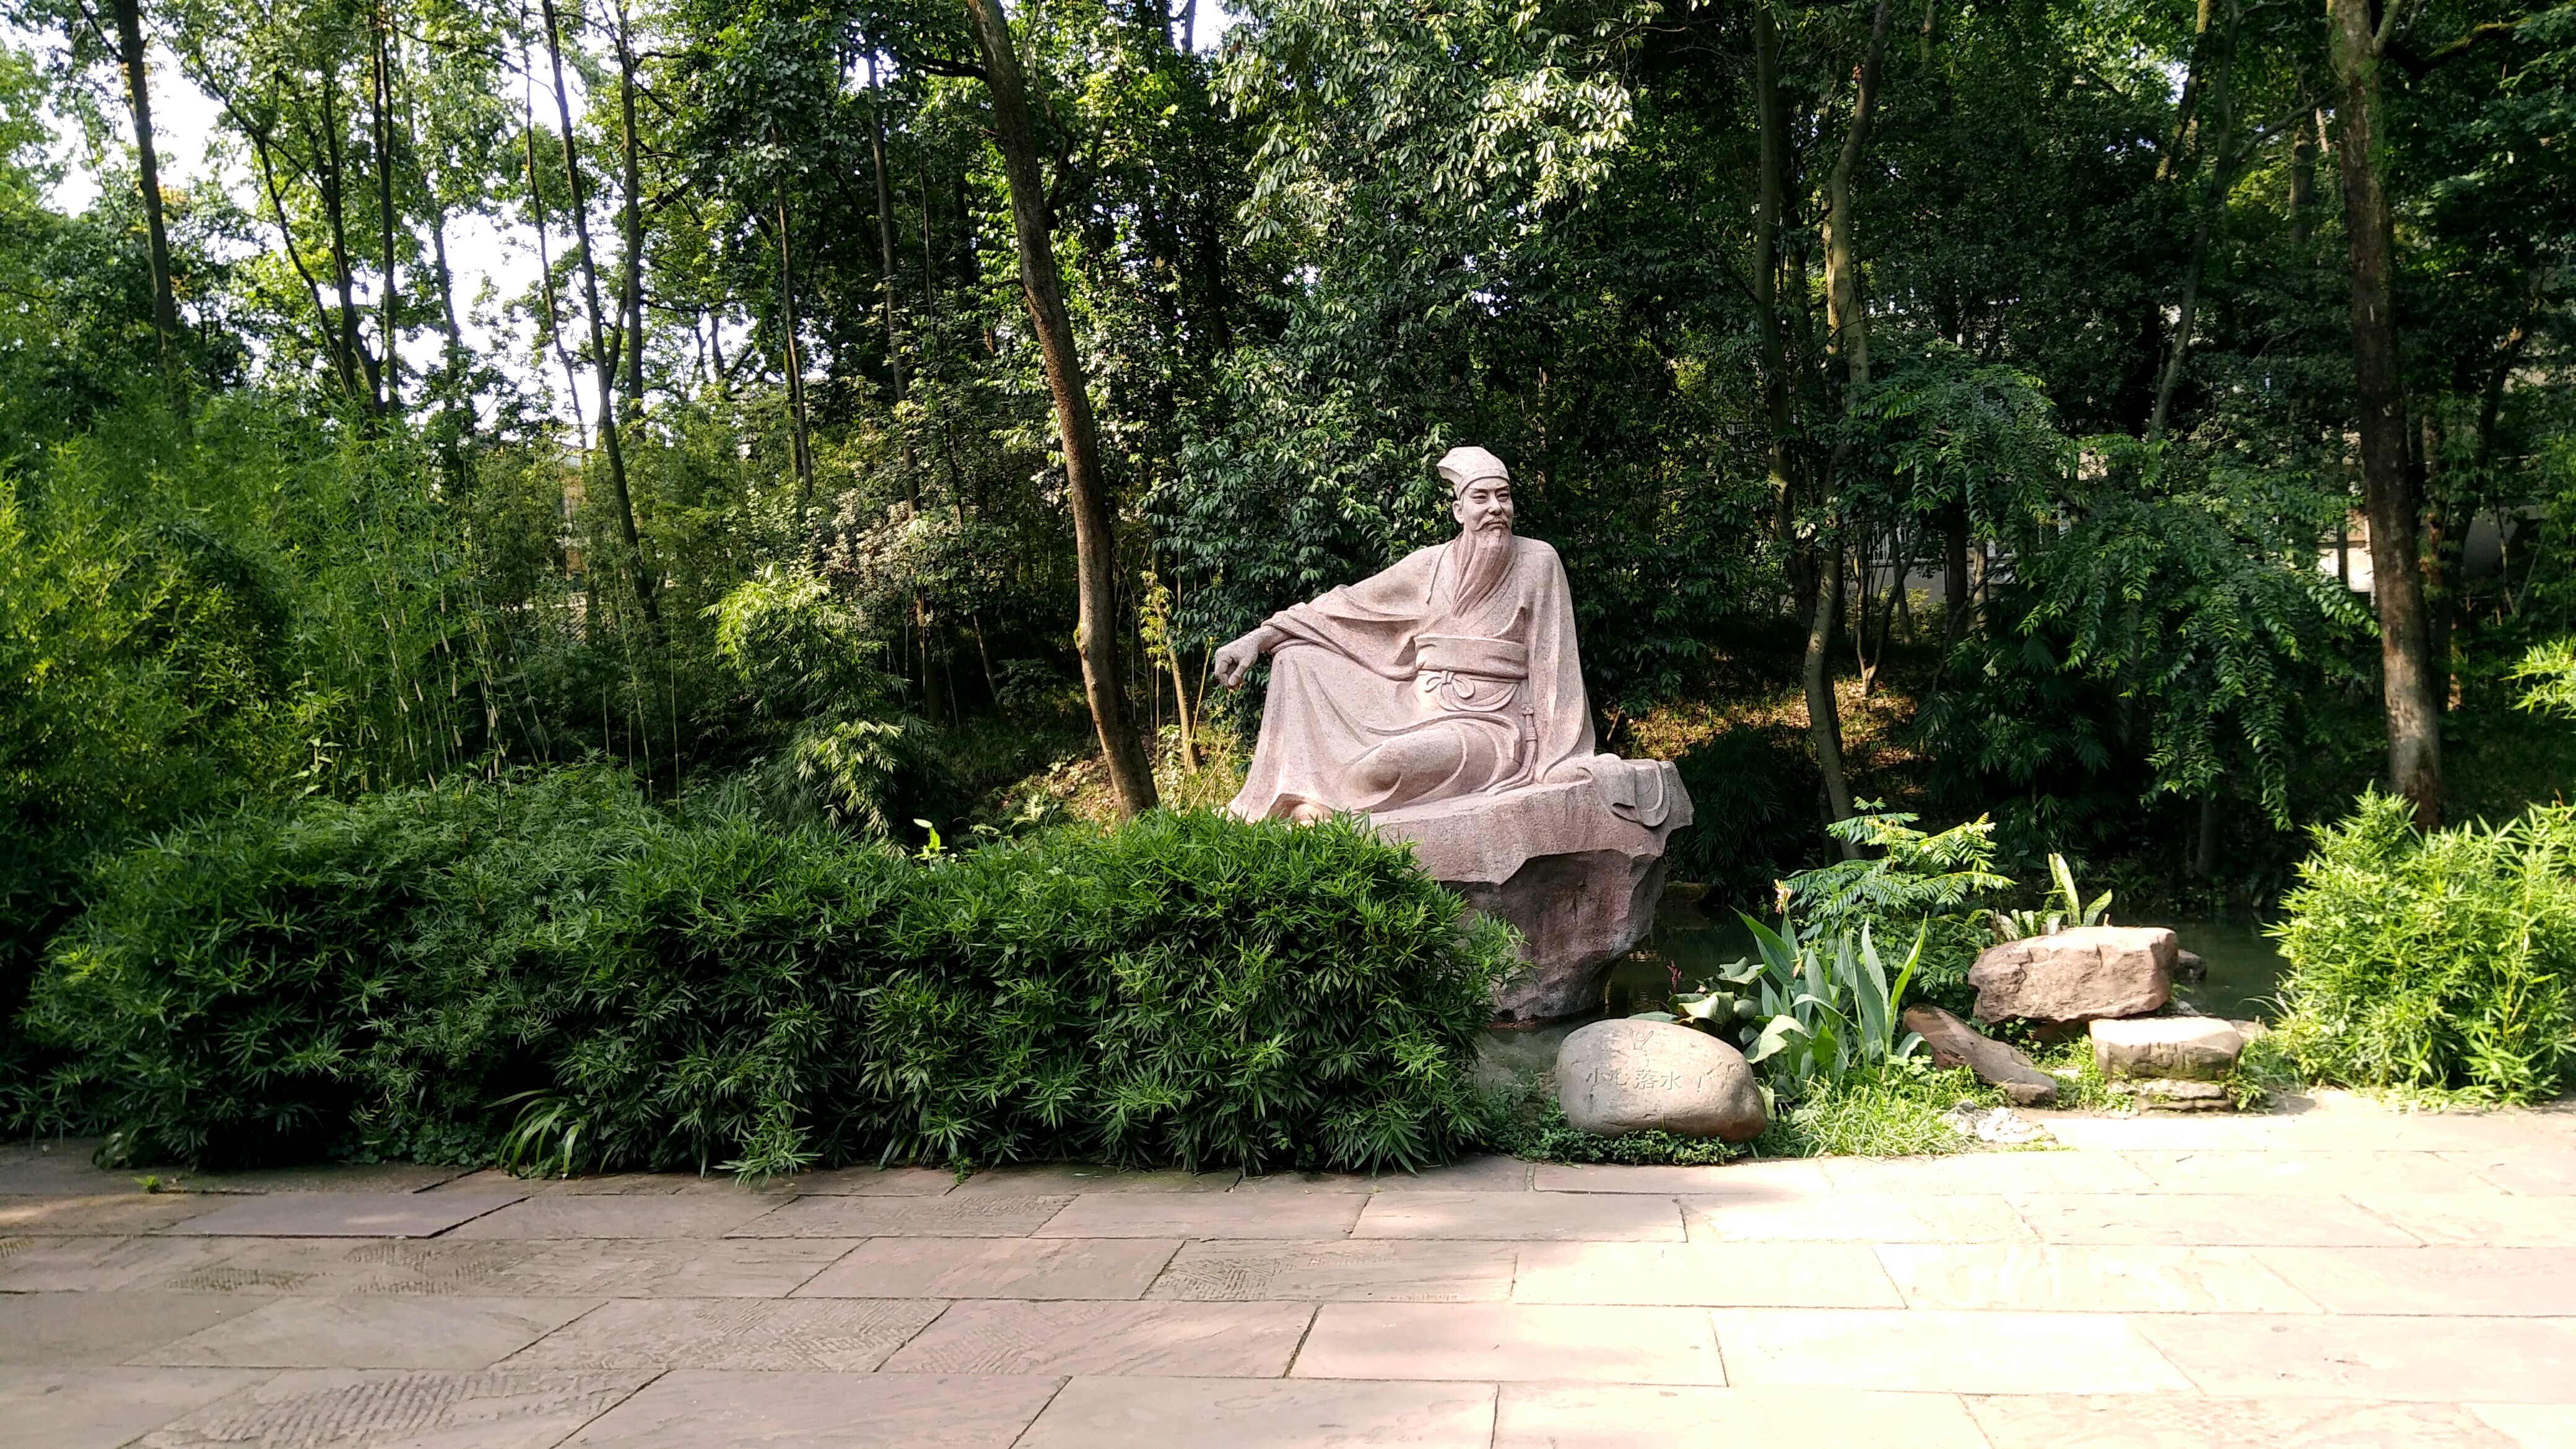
(1954, 1043)
(2085, 974)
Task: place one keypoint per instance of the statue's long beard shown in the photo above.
(1480, 558)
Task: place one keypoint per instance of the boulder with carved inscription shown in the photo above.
(1615, 1077)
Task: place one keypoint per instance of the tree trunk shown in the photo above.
(603, 362)
(1824, 714)
(885, 236)
(329, 338)
(631, 346)
(2410, 694)
(800, 444)
(1847, 328)
(147, 164)
(1131, 779)
(2169, 165)
(335, 212)
(382, 104)
(2210, 205)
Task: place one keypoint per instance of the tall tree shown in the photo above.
(2411, 693)
(1131, 777)
(147, 162)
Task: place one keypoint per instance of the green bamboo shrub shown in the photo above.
(2440, 961)
(550, 969)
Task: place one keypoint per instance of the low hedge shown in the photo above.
(420, 974)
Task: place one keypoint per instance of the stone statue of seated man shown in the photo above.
(1453, 673)
(1444, 699)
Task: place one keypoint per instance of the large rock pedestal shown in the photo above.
(1578, 878)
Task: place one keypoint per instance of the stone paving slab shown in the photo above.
(2208, 1220)
(2243, 1171)
(2539, 1174)
(2492, 1360)
(1197, 1215)
(398, 1333)
(1751, 1181)
(503, 1408)
(57, 1215)
(852, 1216)
(1536, 1216)
(1939, 1351)
(1472, 1174)
(105, 1328)
(1856, 1218)
(1344, 1270)
(2441, 1281)
(1049, 1179)
(578, 1268)
(1031, 1268)
(837, 1335)
(1705, 1275)
(102, 1408)
(1194, 1340)
(330, 1177)
(1511, 1343)
(1626, 1416)
(2472, 1220)
(2093, 1279)
(1119, 1413)
(57, 1165)
(2039, 1421)
(696, 1409)
(2029, 1170)
(101, 1265)
(671, 1215)
(341, 1214)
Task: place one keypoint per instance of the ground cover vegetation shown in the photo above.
(1979, 409)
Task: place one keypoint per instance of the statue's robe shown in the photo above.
(1394, 658)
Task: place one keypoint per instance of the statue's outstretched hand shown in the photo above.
(1236, 659)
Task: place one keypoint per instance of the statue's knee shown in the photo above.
(1378, 770)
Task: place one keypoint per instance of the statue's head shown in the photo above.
(1480, 490)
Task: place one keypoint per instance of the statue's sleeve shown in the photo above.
(1373, 622)
(1564, 712)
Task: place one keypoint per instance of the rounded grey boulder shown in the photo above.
(1614, 1077)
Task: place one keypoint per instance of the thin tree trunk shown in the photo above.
(313, 288)
(1847, 330)
(335, 213)
(2210, 206)
(603, 362)
(546, 282)
(1131, 776)
(1954, 578)
(800, 444)
(382, 102)
(2410, 693)
(885, 235)
(1824, 713)
(2169, 165)
(2303, 171)
(1772, 202)
(632, 215)
(147, 163)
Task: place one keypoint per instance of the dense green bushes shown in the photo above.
(696, 989)
(2444, 961)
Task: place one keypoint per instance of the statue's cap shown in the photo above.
(1462, 466)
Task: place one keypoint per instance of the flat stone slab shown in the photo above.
(1194, 1340)
(904, 1217)
(344, 1214)
(1120, 1413)
(698, 1409)
(1032, 1268)
(1625, 1416)
(1511, 1343)
(1932, 1350)
(103, 1408)
(105, 1328)
(357, 1409)
(403, 1333)
(838, 1335)
(1348, 1270)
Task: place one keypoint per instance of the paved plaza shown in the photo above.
(2337, 1274)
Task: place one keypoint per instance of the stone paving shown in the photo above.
(2339, 1274)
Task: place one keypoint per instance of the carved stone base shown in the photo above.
(1578, 880)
